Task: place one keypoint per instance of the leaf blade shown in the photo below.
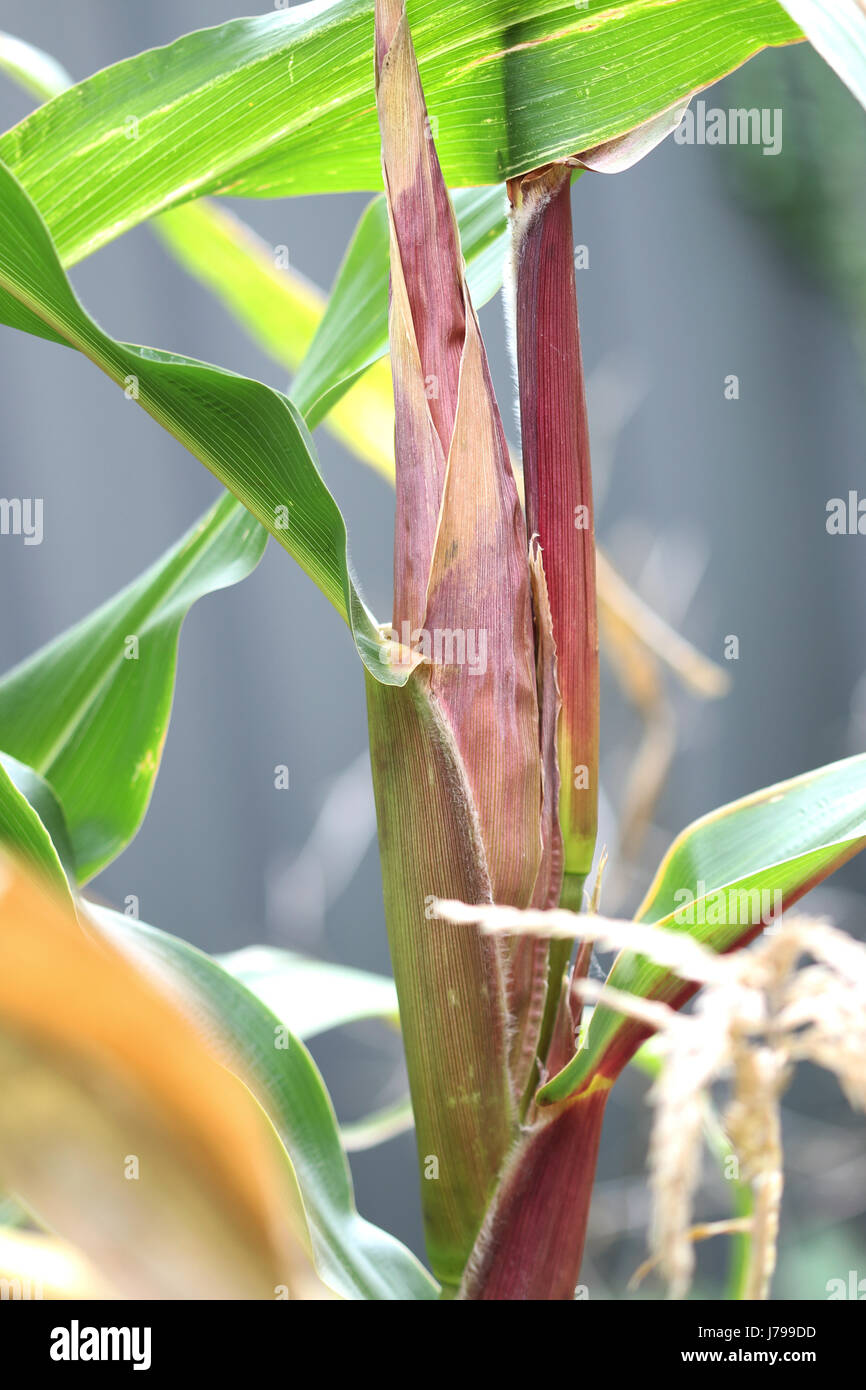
(838, 31)
(501, 80)
(785, 838)
(91, 720)
(250, 436)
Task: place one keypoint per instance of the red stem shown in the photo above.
(558, 479)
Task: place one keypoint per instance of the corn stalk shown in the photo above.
(466, 756)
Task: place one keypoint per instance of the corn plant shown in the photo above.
(482, 689)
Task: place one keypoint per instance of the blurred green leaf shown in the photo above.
(356, 1258)
(378, 1127)
(784, 839)
(282, 103)
(33, 69)
(837, 28)
(312, 996)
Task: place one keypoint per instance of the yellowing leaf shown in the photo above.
(123, 1132)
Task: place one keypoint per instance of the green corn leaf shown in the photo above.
(837, 28)
(89, 712)
(25, 799)
(357, 1259)
(36, 71)
(251, 437)
(782, 840)
(282, 103)
(278, 307)
(312, 996)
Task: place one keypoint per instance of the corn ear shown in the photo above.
(461, 576)
(457, 761)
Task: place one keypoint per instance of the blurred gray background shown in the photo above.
(714, 509)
